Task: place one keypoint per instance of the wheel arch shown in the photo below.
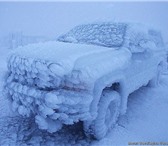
(115, 81)
(162, 64)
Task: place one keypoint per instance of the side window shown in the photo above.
(156, 38)
(142, 40)
(139, 43)
(136, 37)
(144, 44)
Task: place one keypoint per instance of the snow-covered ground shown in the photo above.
(145, 121)
(4, 103)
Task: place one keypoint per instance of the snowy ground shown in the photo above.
(4, 103)
(145, 121)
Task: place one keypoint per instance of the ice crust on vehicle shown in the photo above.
(55, 80)
(81, 63)
(32, 83)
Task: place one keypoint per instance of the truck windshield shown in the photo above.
(102, 34)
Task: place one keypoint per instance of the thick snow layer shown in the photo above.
(58, 51)
(32, 79)
(59, 106)
(64, 64)
(57, 57)
(145, 121)
(98, 65)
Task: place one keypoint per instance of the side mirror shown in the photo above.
(144, 50)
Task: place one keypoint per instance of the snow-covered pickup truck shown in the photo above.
(86, 75)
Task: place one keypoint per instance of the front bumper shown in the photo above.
(51, 108)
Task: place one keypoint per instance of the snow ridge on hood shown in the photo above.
(62, 54)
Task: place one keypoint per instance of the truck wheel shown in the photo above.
(108, 112)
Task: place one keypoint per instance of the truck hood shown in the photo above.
(80, 61)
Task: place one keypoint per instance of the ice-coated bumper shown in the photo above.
(51, 108)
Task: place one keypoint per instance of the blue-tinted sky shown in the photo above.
(53, 18)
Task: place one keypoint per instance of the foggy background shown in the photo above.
(50, 19)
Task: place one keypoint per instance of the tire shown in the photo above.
(108, 112)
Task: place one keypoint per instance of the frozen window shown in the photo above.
(103, 34)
